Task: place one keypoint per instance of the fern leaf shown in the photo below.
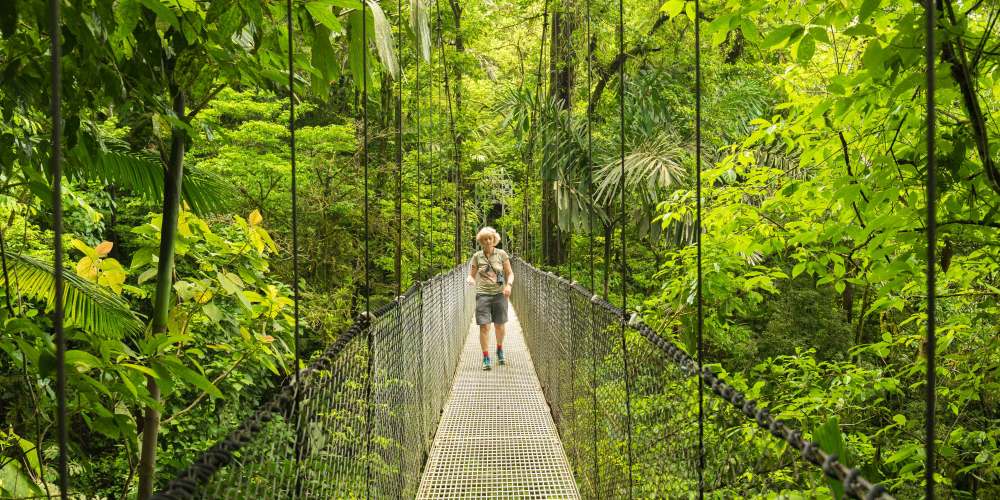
(87, 306)
(143, 175)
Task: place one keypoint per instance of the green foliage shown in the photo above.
(813, 166)
(89, 306)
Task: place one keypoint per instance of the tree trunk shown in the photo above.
(173, 177)
(562, 60)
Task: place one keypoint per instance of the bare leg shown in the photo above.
(501, 330)
(484, 337)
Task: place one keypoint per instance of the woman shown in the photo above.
(490, 272)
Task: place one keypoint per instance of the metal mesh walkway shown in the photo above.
(496, 438)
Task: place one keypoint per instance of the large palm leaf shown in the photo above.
(654, 165)
(517, 106)
(87, 306)
(143, 175)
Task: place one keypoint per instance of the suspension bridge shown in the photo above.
(594, 403)
(591, 404)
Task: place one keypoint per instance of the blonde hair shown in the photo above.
(487, 232)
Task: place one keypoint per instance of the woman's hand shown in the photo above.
(506, 291)
(470, 280)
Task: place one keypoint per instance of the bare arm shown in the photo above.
(471, 278)
(509, 273)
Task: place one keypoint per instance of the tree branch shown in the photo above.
(607, 73)
(953, 53)
(201, 396)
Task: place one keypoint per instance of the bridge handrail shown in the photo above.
(855, 484)
(189, 482)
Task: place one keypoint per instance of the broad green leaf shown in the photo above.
(162, 11)
(17, 484)
(147, 275)
(325, 60)
(384, 42)
(141, 369)
(32, 453)
(874, 57)
(782, 35)
(867, 8)
(830, 440)
(322, 12)
(420, 26)
(213, 312)
(672, 7)
(191, 377)
(82, 361)
(358, 51)
(230, 282)
(806, 49)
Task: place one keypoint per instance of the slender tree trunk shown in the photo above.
(963, 71)
(173, 178)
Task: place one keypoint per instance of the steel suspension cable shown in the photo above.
(590, 149)
(621, 159)
(930, 21)
(364, 162)
(295, 234)
(533, 131)
(399, 149)
(698, 292)
(55, 164)
(420, 229)
(451, 125)
(430, 146)
(590, 242)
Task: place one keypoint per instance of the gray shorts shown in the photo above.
(491, 309)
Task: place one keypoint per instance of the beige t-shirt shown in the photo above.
(487, 270)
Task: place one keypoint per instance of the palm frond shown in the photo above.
(143, 175)
(652, 166)
(87, 306)
(516, 105)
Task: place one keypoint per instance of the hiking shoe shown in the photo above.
(486, 364)
(500, 360)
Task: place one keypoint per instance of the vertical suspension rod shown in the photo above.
(399, 150)
(368, 328)
(624, 266)
(295, 244)
(698, 231)
(532, 132)
(930, 22)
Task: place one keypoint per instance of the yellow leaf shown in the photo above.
(255, 218)
(205, 297)
(104, 248)
(87, 268)
(81, 246)
(183, 228)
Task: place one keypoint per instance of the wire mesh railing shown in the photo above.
(625, 402)
(367, 412)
